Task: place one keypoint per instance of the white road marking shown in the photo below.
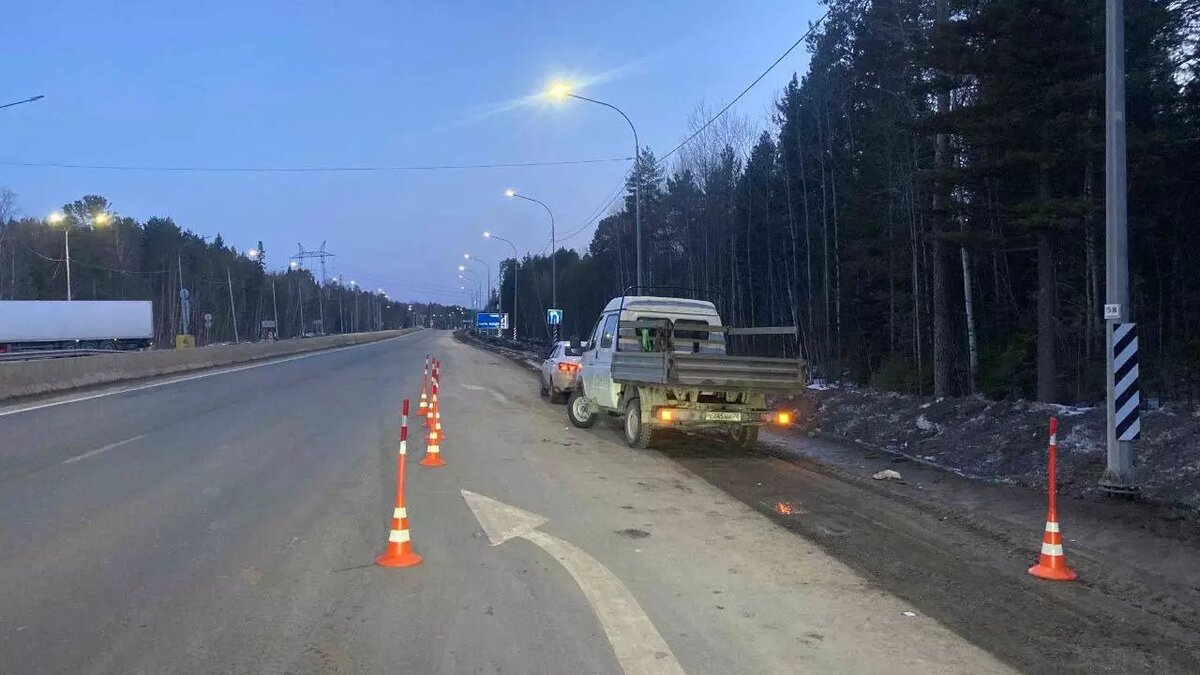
(110, 446)
(496, 395)
(197, 376)
(639, 647)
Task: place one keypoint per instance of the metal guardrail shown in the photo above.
(35, 355)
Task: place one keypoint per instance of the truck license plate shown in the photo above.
(722, 417)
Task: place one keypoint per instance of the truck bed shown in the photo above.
(710, 372)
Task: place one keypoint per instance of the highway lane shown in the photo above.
(228, 524)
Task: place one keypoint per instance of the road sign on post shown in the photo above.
(554, 316)
(487, 321)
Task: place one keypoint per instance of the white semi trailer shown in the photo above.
(42, 325)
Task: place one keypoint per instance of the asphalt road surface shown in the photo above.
(229, 522)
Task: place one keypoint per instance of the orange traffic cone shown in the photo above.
(1052, 564)
(431, 410)
(399, 552)
(424, 381)
(433, 453)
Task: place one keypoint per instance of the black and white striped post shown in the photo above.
(1126, 396)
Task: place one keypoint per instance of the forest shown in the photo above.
(926, 202)
(114, 257)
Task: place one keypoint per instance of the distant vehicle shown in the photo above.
(41, 325)
(559, 371)
(662, 362)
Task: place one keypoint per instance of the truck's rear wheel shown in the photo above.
(637, 434)
(577, 410)
(745, 437)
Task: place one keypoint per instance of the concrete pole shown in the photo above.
(232, 308)
(1118, 476)
(275, 308)
(67, 247)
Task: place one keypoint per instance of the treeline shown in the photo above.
(118, 258)
(927, 202)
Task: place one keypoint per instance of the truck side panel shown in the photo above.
(27, 321)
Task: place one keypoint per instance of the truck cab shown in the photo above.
(596, 364)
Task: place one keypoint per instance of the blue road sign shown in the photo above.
(554, 316)
(487, 321)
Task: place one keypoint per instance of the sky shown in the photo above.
(266, 83)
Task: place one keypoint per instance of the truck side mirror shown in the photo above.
(575, 344)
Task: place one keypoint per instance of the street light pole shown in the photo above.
(487, 267)
(637, 190)
(31, 99)
(232, 308)
(516, 268)
(67, 249)
(1118, 475)
(553, 253)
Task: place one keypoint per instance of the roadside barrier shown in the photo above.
(1052, 564)
(399, 552)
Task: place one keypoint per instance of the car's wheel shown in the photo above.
(637, 434)
(542, 387)
(745, 437)
(577, 411)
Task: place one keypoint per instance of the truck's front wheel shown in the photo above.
(637, 434)
(578, 412)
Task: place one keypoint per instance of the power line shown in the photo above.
(306, 169)
(750, 86)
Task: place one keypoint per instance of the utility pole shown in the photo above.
(300, 294)
(232, 308)
(341, 310)
(275, 307)
(1118, 475)
(67, 247)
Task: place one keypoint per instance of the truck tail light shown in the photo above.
(783, 418)
(666, 414)
(568, 367)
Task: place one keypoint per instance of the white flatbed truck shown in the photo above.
(662, 362)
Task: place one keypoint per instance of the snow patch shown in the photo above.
(925, 425)
(1073, 410)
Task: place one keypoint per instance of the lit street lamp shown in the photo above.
(562, 90)
(486, 266)
(553, 252)
(59, 218)
(516, 266)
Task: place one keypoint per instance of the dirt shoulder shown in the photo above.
(1006, 440)
(955, 535)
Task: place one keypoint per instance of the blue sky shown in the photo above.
(258, 83)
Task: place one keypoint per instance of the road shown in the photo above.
(228, 523)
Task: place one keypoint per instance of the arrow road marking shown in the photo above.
(639, 647)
